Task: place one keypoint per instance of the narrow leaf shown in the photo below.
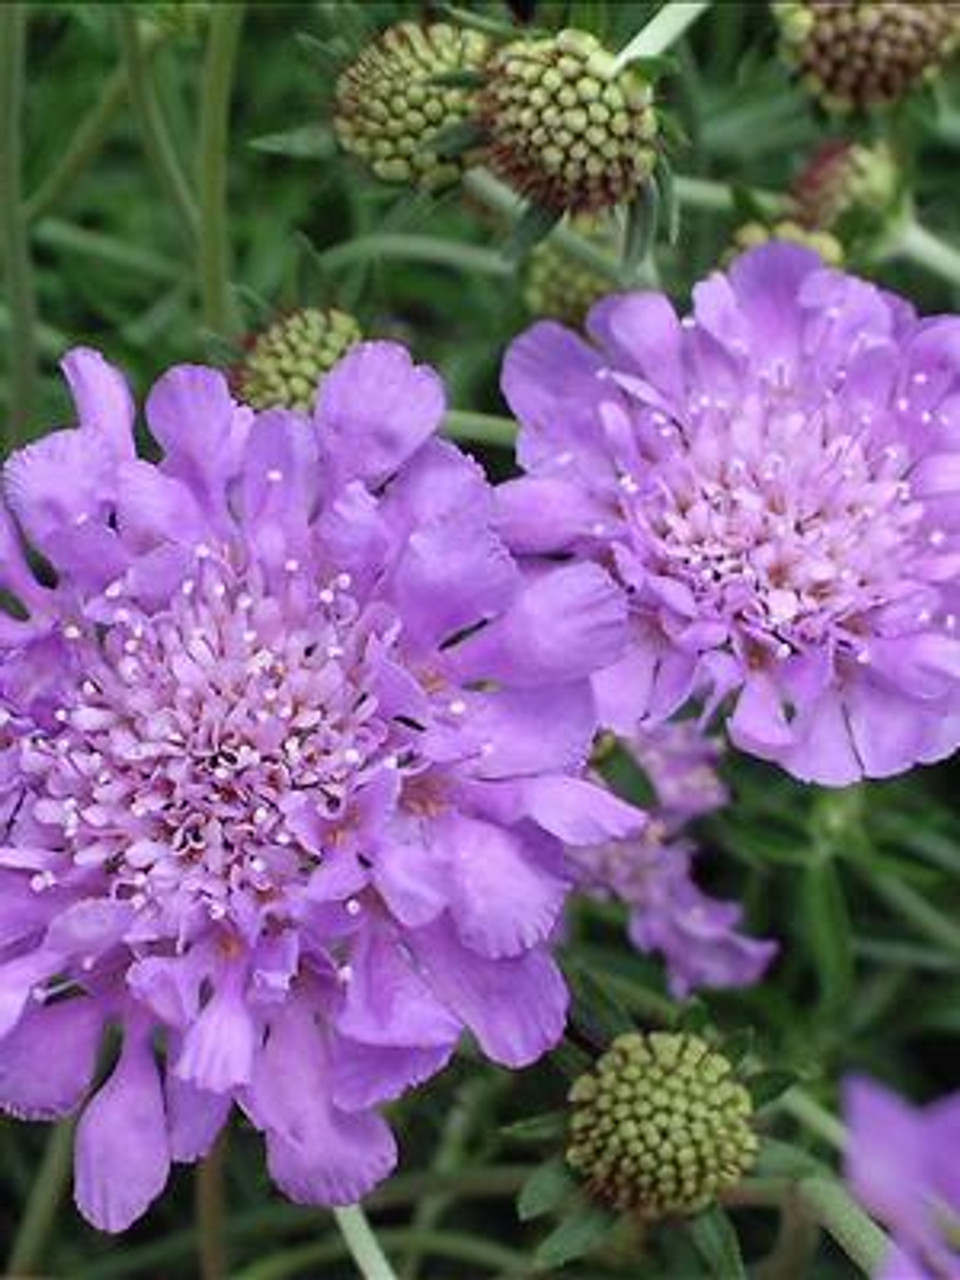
(534, 225)
(456, 139)
(668, 199)
(546, 1189)
(642, 221)
(537, 1129)
(715, 1239)
(309, 142)
(828, 933)
(582, 1231)
(766, 1086)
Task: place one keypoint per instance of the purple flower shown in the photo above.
(652, 872)
(287, 754)
(902, 1164)
(776, 482)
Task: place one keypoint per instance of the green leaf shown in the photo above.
(548, 1127)
(715, 1239)
(766, 1086)
(308, 142)
(828, 934)
(570, 1060)
(654, 67)
(596, 1012)
(738, 1046)
(582, 1231)
(546, 1188)
(456, 139)
(642, 220)
(534, 225)
(668, 199)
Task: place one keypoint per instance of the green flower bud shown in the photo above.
(561, 286)
(564, 128)
(846, 183)
(660, 1126)
(752, 234)
(284, 365)
(860, 54)
(389, 104)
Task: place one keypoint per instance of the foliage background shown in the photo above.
(861, 886)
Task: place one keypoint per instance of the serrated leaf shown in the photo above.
(642, 221)
(715, 1239)
(456, 139)
(534, 225)
(546, 1189)
(309, 142)
(582, 1231)
(537, 1129)
(766, 1086)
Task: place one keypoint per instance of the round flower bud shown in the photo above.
(390, 103)
(659, 1126)
(752, 234)
(564, 127)
(284, 365)
(859, 54)
(562, 287)
(844, 180)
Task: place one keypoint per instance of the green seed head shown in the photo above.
(660, 1126)
(847, 183)
(859, 54)
(560, 286)
(565, 128)
(752, 234)
(284, 365)
(389, 104)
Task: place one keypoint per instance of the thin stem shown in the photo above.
(363, 1244)
(662, 31)
(838, 1213)
(797, 1240)
(480, 428)
(922, 247)
(209, 1201)
(43, 1204)
(214, 246)
(446, 253)
(812, 1116)
(81, 149)
(153, 128)
(14, 244)
(498, 196)
(56, 234)
(717, 197)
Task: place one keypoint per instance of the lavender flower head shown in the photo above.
(776, 481)
(652, 872)
(902, 1164)
(287, 763)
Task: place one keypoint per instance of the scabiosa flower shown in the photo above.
(288, 748)
(697, 935)
(902, 1163)
(775, 481)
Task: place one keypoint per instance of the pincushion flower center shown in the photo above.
(781, 518)
(181, 755)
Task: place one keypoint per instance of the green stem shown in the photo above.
(81, 149)
(214, 245)
(211, 1213)
(663, 30)
(913, 907)
(364, 1247)
(796, 1244)
(501, 199)
(22, 360)
(43, 1204)
(157, 142)
(857, 1234)
(809, 1113)
(438, 1244)
(717, 197)
(924, 249)
(411, 248)
(56, 234)
(480, 428)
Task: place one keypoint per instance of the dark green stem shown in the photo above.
(43, 1204)
(214, 256)
(153, 128)
(211, 1212)
(22, 359)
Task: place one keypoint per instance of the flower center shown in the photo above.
(180, 767)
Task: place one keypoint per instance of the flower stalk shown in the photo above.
(43, 1204)
(363, 1244)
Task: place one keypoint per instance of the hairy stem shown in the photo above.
(43, 1204)
(154, 134)
(22, 360)
(212, 168)
(363, 1244)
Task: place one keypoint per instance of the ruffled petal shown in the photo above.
(102, 397)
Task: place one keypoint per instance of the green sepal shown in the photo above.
(642, 220)
(546, 1189)
(715, 1239)
(534, 225)
(308, 142)
(586, 1227)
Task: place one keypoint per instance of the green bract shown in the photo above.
(659, 1126)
